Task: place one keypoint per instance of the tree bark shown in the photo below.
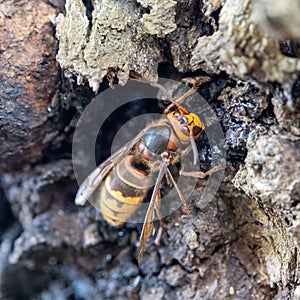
(244, 242)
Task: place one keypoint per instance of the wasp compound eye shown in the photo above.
(183, 120)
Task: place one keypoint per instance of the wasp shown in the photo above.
(124, 179)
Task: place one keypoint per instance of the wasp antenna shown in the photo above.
(187, 94)
(178, 101)
(164, 91)
(194, 148)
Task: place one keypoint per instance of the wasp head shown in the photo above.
(185, 124)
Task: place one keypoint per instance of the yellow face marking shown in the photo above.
(194, 124)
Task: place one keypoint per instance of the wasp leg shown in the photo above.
(164, 91)
(185, 208)
(186, 150)
(178, 101)
(159, 216)
(204, 174)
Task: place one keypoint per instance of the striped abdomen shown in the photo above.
(122, 191)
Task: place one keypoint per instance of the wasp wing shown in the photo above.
(146, 231)
(91, 183)
(148, 226)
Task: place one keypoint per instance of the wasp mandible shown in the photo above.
(124, 179)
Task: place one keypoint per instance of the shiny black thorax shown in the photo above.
(154, 142)
(156, 139)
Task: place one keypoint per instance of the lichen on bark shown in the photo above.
(120, 37)
(271, 175)
(240, 48)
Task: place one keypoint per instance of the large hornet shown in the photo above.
(124, 179)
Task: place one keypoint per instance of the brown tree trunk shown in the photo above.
(241, 243)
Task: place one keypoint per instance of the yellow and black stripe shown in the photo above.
(122, 191)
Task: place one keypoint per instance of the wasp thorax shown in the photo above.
(155, 141)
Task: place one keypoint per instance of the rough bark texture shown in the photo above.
(243, 244)
(27, 124)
